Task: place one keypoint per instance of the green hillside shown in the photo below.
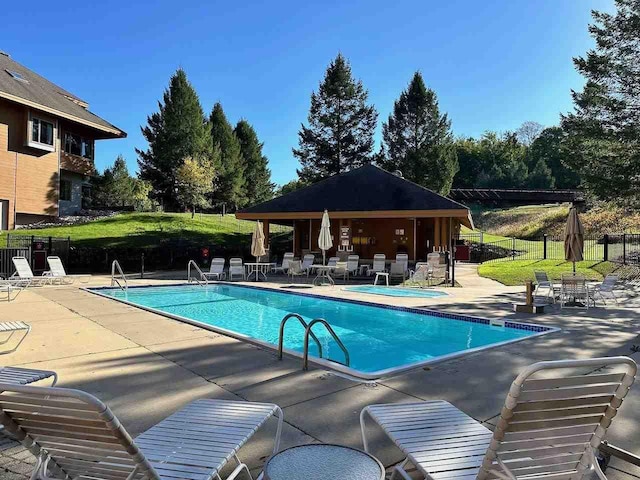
(150, 229)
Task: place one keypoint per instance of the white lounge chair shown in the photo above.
(23, 272)
(403, 259)
(544, 285)
(295, 269)
(307, 261)
(379, 264)
(13, 286)
(353, 263)
(552, 421)
(606, 289)
(421, 272)
(574, 291)
(25, 376)
(288, 257)
(216, 270)
(11, 328)
(397, 271)
(236, 269)
(57, 271)
(332, 262)
(74, 435)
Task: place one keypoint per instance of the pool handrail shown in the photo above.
(281, 334)
(203, 277)
(305, 355)
(115, 265)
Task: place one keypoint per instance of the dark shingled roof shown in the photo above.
(368, 188)
(39, 90)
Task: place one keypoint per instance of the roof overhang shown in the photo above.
(113, 132)
(462, 215)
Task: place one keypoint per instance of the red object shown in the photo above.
(463, 252)
(204, 251)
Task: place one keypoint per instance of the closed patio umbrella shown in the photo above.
(257, 241)
(573, 238)
(324, 239)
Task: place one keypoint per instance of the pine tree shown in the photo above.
(540, 176)
(257, 176)
(418, 139)
(230, 180)
(177, 131)
(604, 129)
(341, 126)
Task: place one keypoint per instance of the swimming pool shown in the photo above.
(396, 291)
(381, 340)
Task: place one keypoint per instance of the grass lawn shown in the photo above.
(516, 272)
(151, 229)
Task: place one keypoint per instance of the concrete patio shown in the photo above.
(145, 366)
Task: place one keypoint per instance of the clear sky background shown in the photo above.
(492, 64)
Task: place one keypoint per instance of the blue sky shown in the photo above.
(493, 64)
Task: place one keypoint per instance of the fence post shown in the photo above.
(606, 248)
(513, 248)
(142, 266)
(624, 248)
(544, 247)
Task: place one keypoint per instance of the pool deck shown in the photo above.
(145, 366)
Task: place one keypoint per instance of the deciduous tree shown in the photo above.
(194, 182)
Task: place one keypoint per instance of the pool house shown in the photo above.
(371, 211)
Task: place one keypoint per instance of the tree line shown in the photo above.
(193, 160)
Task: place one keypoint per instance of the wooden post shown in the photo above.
(436, 233)
(309, 235)
(293, 246)
(415, 241)
(265, 231)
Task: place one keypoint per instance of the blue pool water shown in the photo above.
(396, 291)
(378, 339)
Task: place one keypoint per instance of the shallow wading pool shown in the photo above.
(381, 340)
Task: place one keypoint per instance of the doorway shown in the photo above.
(4, 215)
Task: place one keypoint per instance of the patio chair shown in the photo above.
(285, 263)
(25, 376)
(23, 272)
(236, 269)
(544, 284)
(379, 264)
(295, 269)
(606, 289)
(397, 271)
(12, 328)
(551, 423)
(74, 436)
(403, 259)
(332, 261)
(12, 286)
(421, 272)
(216, 270)
(574, 291)
(353, 263)
(307, 261)
(57, 272)
(342, 269)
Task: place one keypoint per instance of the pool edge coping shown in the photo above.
(326, 363)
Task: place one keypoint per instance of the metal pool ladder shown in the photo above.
(309, 333)
(203, 279)
(115, 265)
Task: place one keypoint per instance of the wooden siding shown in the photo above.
(34, 185)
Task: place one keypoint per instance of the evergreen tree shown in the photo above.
(116, 188)
(341, 126)
(177, 131)
(604, 129)
(418, 139)
(230, 180)
(540, 176)
(550, 147)
(257, 176)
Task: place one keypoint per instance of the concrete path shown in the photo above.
(145, 366)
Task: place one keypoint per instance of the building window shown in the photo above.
(77, 145)
(41, 133)
(86, 197)
(65, 190)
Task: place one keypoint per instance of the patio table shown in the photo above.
(323, 274)
(257, 269)
(322, 462)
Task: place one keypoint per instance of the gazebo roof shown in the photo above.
(368, 191)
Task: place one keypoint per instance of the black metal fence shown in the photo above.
(619, 248)
(36, 249)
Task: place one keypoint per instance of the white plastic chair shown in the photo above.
(23, 272)
(606, 289)
(332, 261)
(74, 435)
(288, 257)
(403, 259)
(216, 270)
(552, 421)
(379, 264)
(236, 269)
(353, 263)
(543, 284)
(574, 291)
(12, 328)
(57, 271)
(307, 261)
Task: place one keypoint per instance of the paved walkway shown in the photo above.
(146, 366)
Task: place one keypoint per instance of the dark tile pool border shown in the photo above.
(537, 330)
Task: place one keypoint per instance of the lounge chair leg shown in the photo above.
(240, 468)
(276, 444)
(399, 469)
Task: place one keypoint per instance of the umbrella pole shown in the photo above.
(323, 257)
(574, 267)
